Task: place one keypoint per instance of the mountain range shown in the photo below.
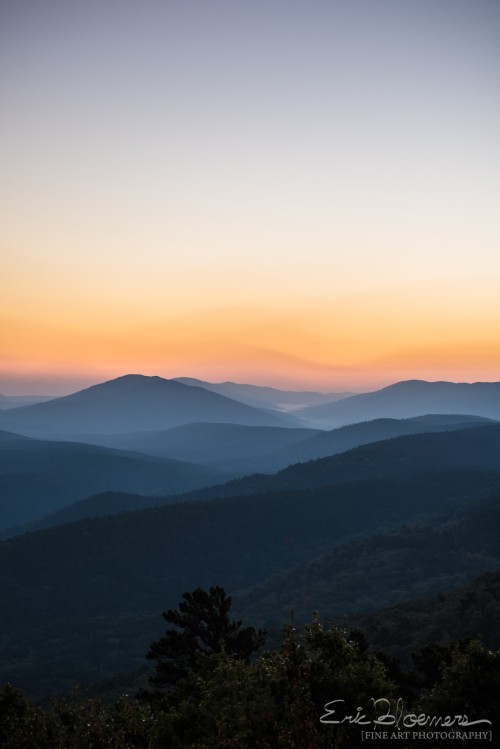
(68, 591)
(266, 397)
(407, 399)
(134, 403)
(245, 449)
(467, 448)
(122, 501)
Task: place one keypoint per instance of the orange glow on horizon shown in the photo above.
(355, 343)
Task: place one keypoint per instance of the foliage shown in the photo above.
(202, 625)
(468, 682)
(464, 613)
(275, 701)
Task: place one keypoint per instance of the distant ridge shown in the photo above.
(133, 403)
(38, 477)
(474, 449)
(250, 449)
(16, 401)
(265, 397)
(406, 399)
(10, 436)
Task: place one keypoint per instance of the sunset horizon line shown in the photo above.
(49, 388)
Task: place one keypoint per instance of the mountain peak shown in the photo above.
(134, 402)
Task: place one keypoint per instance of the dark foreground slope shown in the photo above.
(83, 601)
(384, 569)
(470, 611)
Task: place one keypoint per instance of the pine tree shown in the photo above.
(201, 625)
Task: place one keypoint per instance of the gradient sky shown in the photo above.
(294, 193)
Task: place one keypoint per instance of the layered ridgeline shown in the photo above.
(40, 477)
(82, 601)
(247, 449)
(474, 447)
(266, 397)
(137, 403)
(133, 403)
(406, 399)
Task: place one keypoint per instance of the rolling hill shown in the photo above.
(326, 443)
(39, 477)
(242, 449)
(133, 403)
(82, 601)
(473, 448)
(384, 569)
(230, 447)
(469, 611)
(407, 399)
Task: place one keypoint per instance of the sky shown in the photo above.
(298, 193)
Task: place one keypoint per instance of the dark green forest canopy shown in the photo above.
(282, 699)
(80, 602)
(119, 572)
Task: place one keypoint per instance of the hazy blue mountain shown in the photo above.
(325, 443)
(245, 450)
(406, 399)
(11, 436)
(475, 447)
(95, 506)
(15, 401)
(403, 458)
(83, 600)
(133, 403)
(266, 397)
(39, 477)
(230, 447)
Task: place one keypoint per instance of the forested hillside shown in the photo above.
(40, 477)
(119, 572)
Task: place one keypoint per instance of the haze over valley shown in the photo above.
(249, 374)
(149, 487)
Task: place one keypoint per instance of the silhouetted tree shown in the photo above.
(201, 626)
